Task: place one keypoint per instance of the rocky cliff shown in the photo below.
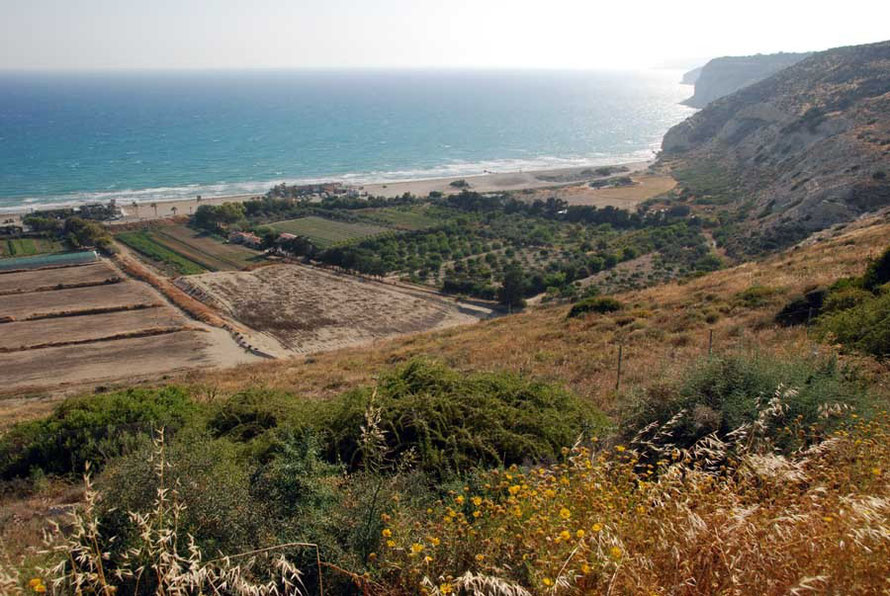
(801, 150)
(722, 76)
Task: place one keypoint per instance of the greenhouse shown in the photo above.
(56, 260)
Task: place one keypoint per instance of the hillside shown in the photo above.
(272, 454)
(795, 153)
(722, 76)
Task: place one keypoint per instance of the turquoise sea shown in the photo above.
(74, 137)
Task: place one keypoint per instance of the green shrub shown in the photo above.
(451, 421)
(94, 428)
(596, 304)
(755, 296)
(846, 299)
(210, 477)
(878, 272)
(722, 394)
(864, 327)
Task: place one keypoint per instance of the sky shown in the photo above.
(576, 34)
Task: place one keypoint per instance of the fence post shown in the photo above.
(710, 342)
(620, 354)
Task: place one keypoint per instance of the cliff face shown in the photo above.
(803, 149)
(722, 76)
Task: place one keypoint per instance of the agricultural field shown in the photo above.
(145, 244)
(325, 233)
(184, 251)
(415, 217)
(307, 309)
(90, 323)
(26, 247)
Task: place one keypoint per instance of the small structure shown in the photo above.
(11, 230)
(246, 238)
(284, 237)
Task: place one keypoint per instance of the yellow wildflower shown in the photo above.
(416, 548)
(579, 534)
(615, 552)
(391, 543)
(565, 513)
(564, 535)
(35, 582)
(460, 499)
(480, 557)
(435, 541)
(386, 532)
(513, 489)
(477, 501)
(620, 448)
(597, 527)
(585, 568)
(446, 588)
(427, 559)
(547, 581)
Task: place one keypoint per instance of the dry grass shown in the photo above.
(663, 329)
(816, 521)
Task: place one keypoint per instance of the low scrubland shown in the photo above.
(734, 454)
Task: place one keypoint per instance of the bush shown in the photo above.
(91, 429)
(878, 272)
(864, 327)
(453, 422)
(722, 394)
(601, 305)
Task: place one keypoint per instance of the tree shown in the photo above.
(155, 207)
(174, 209)
(512, 291)
(136, 208)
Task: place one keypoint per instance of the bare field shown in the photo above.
(135, 357)
(624, 197)
(120, 295)
(110, 331)
(20, 334)
(30, 281)
(310, 310)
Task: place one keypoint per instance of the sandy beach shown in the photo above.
(488, 182)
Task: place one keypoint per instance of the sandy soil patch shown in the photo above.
(310, 310)
(624, 197)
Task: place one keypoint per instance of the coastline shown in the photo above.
(516, 180)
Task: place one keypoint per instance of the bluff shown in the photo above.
(722, 76)
(803, 149)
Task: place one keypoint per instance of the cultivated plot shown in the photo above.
(327, 232)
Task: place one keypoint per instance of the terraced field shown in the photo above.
(90, 323)
(327, 232)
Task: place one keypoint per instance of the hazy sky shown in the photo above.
(90, 34)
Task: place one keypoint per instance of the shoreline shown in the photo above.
(514, 180)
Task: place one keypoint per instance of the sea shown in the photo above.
(75, 137)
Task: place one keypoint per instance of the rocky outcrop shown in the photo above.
(806, 148)
(722, 76)
(691, 77)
